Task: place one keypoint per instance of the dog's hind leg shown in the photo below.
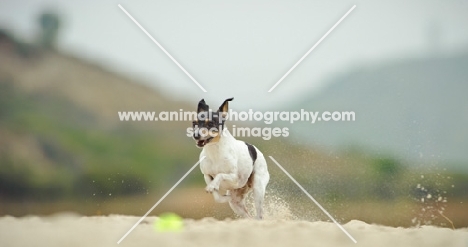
(260, 181)
(259, 195)
(221, 198)
(237, 203)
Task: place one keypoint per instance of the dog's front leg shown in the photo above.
(221, 198)
(218, 198)
(229, 181)
(211, 184)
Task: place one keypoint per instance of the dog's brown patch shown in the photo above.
(248, 186)
(250, 180)
(215, 139)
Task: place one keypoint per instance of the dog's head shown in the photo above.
(209, 125)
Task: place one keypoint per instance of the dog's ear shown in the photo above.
(202, 106)
(224, 108)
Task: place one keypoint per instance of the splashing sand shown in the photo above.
(274, 208)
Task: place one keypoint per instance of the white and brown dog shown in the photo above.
(231, 168)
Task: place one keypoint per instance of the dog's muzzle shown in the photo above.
(202, 143)
(199, 141)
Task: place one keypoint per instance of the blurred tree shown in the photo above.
(7, 97)
(387, 171)
(49, 23)
(387, 167)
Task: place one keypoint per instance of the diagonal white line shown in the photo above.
(160, 200)
(311, 49)
(312, 198)
(160, 46)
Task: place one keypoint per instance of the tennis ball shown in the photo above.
(169, 222)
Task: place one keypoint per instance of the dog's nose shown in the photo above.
(196, 136)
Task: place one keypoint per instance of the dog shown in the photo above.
(231, 168)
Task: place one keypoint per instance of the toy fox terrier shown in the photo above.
(231, 168)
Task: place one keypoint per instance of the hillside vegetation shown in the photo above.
(413, 109)
(60, 132)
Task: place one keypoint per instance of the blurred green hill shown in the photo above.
(60, 132)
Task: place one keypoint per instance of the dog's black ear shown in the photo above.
(202, 106)
(225, 107)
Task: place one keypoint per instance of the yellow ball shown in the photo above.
(169, 222)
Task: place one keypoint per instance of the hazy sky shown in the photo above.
(242, 48)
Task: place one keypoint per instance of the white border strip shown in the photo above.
(162, 48)
(311, 49)
(160, 200)
(318, 204)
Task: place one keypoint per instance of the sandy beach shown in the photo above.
(74, 230)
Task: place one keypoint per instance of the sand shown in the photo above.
(73, 230)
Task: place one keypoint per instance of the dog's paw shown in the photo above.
(211, 187)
